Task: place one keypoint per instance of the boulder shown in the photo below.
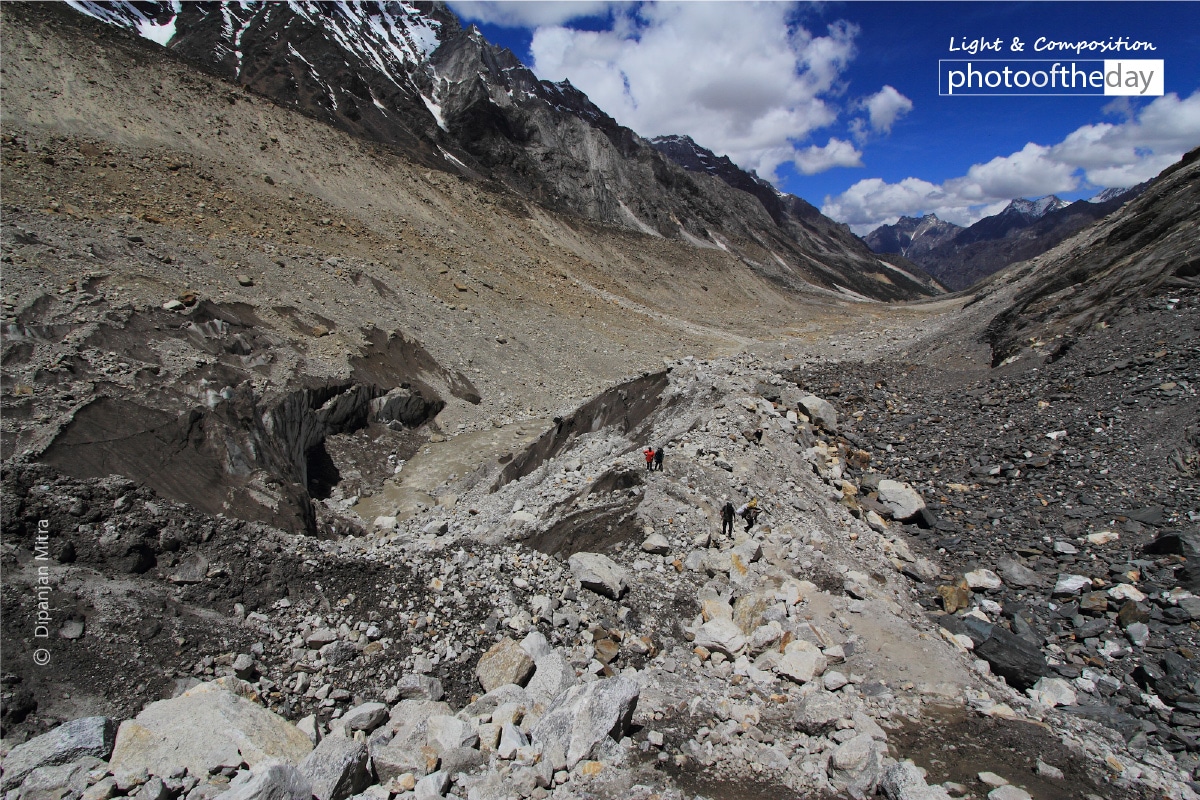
(818, 713)
(366, 717)
(820, 411)
(1014, 658)
(904, 781)
(337, 768)
(801, 662)
(1017, 574)
(205, 729)
(901, 500)
(1052, 692)
(270, 780)
(856, 767)
(1069, 585)
(656, 543)
(444, 732)
(552, 676)
(418, 686)
(599, 573)
(982, 580)
(581, 718)
(71, 741)
(722, 635)
(506, 662)
(59, 781)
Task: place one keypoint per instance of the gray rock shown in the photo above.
(432, 786)
(321, 637)
(722, 635)
(820, 411)
(397, 758)
(72, 629)
(656, 543)
(900, 499)
(366, 717)
(59, 780)
(856, 766)
(506, 662)
(419, 686)
(818, 713)
(1071, 584)
(153, 789)
(244, 666)
(904, 781)
(193, 569)
(461, 759)
(444, 732)
(71, 741)
(205, 729)
(536, 645)
(599, 573)
(271, 780)
(1009, 792)
(1017, 574)
(337, 653)
(337, 768)
(581, 718)
(553, 676)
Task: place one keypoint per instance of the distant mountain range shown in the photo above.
(409, 76)
(960, 257)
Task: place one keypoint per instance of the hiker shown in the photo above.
(649, 454)
(757, 436)
(727, 512)
(658, 457)
(749, 512)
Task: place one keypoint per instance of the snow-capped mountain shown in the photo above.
(1034, 209)
(409, 75)
(911, 237)
(959, 257)
(1109, 194)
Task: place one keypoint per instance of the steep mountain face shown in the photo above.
(410, 76)
(1144, 249)
(961, 257)
(912, 237)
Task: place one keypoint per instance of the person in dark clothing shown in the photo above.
(658, 457)
(649, 454)
(727, 514)
(757, 435)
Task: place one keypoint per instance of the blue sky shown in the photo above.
(838, 102)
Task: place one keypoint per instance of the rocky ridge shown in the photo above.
(411, 77)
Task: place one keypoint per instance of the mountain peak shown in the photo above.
(1035, 209)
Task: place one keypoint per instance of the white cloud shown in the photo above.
(885, 107)
(836, 153)
(746, 81)
(1101, 156)
(526, 14)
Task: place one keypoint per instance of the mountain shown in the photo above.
(409, 76)
(961, 257)
(911, 237)
(1143, 250)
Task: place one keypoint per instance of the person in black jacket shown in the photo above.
(727, 515)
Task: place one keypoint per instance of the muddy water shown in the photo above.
(419, 481)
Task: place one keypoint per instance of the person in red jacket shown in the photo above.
(649, 454)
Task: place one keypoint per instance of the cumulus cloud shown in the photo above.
(1098, 156)
(885, 107)
(527, 14)
(748, 81)
(836, 153)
